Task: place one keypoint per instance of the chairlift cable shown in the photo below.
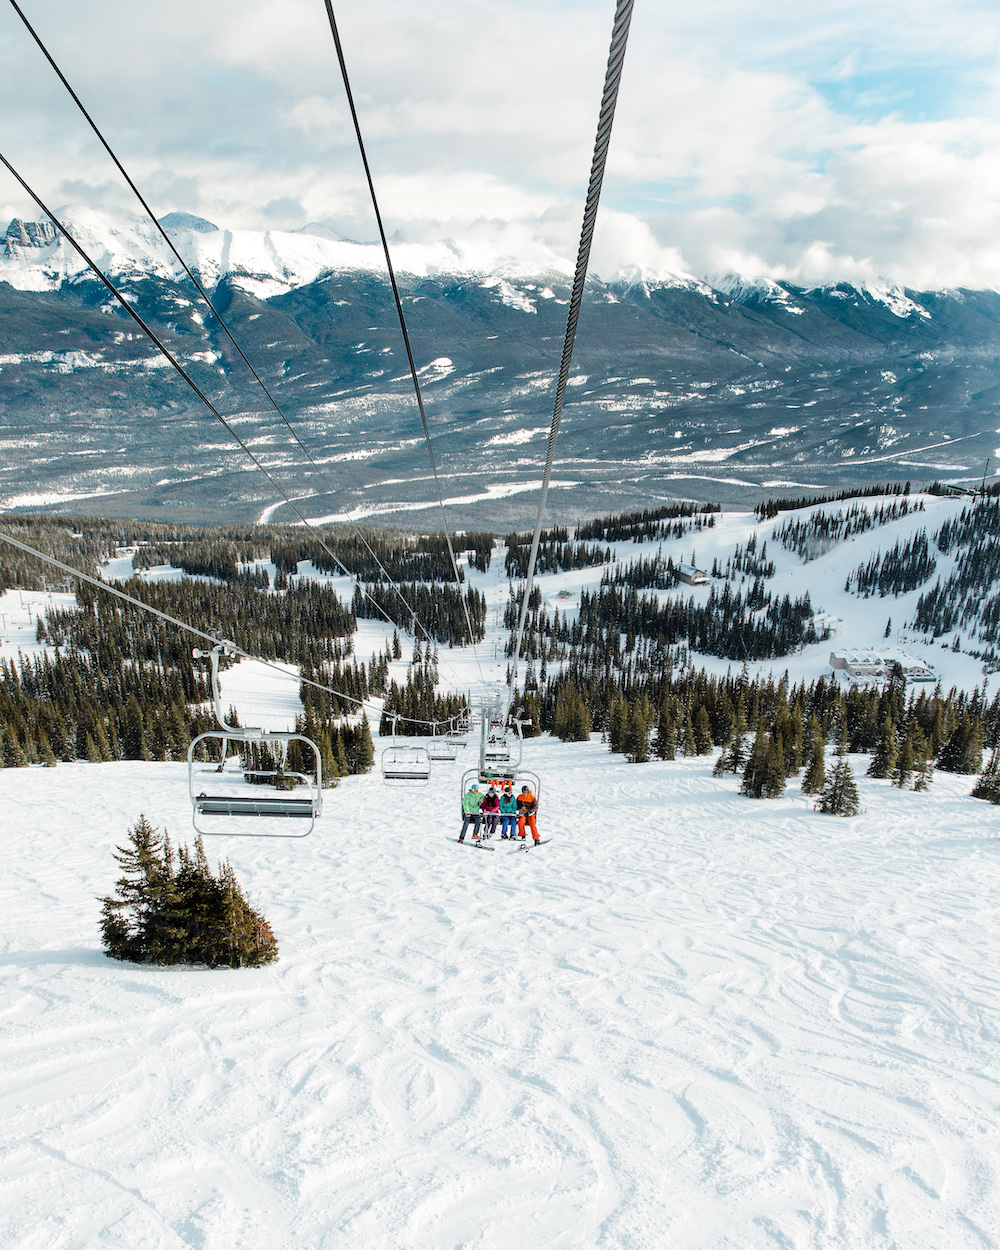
(402, 320)
(215, 312)
(193, 629)
(612, 79)
(200, 393)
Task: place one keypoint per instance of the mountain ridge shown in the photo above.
(681, 388)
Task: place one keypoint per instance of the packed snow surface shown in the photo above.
(692, 1020)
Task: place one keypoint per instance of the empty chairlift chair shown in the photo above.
(405, 765)
(254, 782)
(446, 746)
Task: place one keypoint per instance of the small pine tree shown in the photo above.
(13, 756)
(132, 921)
(721, 765)
(988, 785)
(702, 731)
(815, 775)
(617, 725)
(840, 794)
(903, 771)
(247, 940)
(688, 744)
(637, 737)
(883, 762)
(665, 742)
(753, 773)
(772, 781)
(366, 748)
(162, 916)
(963, 750)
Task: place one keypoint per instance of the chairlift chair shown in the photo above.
(442, 748)
(446, 747)
(405, 765)
(218, 791)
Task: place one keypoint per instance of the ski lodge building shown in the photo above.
(864, 662)
(694, 577)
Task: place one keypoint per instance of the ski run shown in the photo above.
(691, 1021)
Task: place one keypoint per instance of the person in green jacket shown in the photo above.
(472, 803)
(508, 811)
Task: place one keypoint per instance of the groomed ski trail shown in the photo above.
(696, 1021)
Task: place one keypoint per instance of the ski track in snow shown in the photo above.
(692, 1020)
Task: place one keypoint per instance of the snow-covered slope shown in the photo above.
(692, 1020)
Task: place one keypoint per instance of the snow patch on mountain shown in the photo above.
(266, 263)
(895, 299)
(746, 290)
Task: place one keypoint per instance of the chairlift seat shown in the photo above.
(227, 805)
(406, 766)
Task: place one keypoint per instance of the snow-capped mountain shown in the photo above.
(680, 387)
(263, 262)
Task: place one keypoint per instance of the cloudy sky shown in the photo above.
(854, 139)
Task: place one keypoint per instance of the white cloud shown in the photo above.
(855, 141)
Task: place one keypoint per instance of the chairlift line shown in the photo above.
(407, 765)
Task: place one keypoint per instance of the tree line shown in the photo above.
(649, 525)
(767, 509)
(814, 535)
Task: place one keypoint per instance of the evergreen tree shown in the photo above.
(752, 784)
(963, 750)
(883, 762)
(132, 924)
(366, 748)
(840, 794)
(162, 916)
(13, 756)
(988, 785)
(903, 771)
(637, 737)
(721, 765)
(248, 939)
(45, 752)
(617, 726)
(702, 732)
(688, 745)
(666, 736)
(923, 764)
(772, 781)
(815, 775)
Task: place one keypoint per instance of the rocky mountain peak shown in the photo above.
(28, 234)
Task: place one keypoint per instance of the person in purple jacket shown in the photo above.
(491, 810)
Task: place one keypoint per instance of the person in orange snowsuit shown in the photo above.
(527, 809)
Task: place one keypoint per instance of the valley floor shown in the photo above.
(691, 1021)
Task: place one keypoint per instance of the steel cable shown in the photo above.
(200, 633)
(609, 99)
(151, 334)
(215, 312)
(400, 315)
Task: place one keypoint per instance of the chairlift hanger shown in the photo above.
(275, 806)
